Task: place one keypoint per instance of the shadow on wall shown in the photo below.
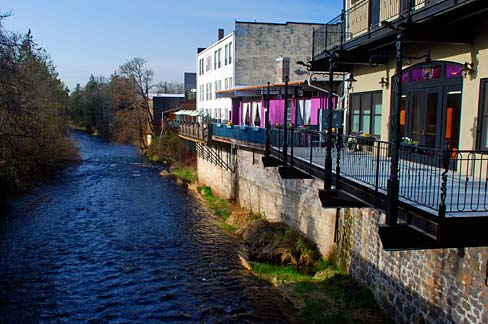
(421, 286)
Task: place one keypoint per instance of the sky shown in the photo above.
(97, 36)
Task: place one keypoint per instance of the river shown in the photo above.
(110, 240)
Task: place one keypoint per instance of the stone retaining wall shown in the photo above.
(420, 286)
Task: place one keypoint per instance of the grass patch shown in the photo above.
(186, 173)
(227, 227)
(282, 273)
(326, 297)
(218, 206)
(338, 299)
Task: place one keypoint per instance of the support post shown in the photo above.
(267, 124)
(328, 155)
(285, 126)
(393, 186)
(446, 158)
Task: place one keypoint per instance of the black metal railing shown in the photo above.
(328, 36)
(362, 18)
(423, 171)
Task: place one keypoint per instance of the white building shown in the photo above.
(248, 56)
(215, 71)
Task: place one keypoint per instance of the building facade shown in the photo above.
(254, 53)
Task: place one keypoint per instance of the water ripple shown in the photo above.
(111, 241)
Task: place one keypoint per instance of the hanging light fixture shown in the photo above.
(350, 80)
(384, 82)
(467, 69)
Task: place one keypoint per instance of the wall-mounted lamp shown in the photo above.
(467, 69)
(350, 80)
(384, 82)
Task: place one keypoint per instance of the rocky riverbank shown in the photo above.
(282, 255)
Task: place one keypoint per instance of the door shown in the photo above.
(452, 109)
(374, 14)
(425, 117)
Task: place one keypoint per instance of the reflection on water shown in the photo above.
(111, 241)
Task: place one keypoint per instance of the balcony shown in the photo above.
(194, 131)
(246, 136)
(364, 17)
(442, 197)
(328, 36)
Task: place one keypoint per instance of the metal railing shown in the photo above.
(358, 20)
(328, 36)
(241, 134)
(197, 130)
(423, 171)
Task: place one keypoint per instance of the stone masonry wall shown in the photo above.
(431, 286)
(294, 202)
(220, 180)
(419, 286)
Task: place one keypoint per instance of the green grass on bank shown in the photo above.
(325, 296)
(186, 173)
(218, 206)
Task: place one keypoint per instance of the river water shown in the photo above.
(110, 240)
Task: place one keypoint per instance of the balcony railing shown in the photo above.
(195, 130)
(367, 162)
(362, 18)
(239, 134)
(328, 36)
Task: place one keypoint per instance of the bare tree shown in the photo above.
(135, 71)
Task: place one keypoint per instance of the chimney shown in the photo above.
(220, 34)
(282, 68)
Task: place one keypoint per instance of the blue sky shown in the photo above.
(95, 37)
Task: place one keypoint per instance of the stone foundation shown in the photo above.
(420, 286)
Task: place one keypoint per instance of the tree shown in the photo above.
(33, 142)
(142, 78)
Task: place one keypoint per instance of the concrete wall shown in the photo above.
(431, 286)
(258, 45)
(261, 190)
(294, 202)
(221, 181)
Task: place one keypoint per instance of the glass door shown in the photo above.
(425, 118)
(453, 96)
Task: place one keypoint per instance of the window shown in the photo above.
(210, 93)
(304, 112)
(483, 116)
(208, 63)
(230, 83)
(226, 83)
(247, 114)
(215, 60)
(365, 113)
(200, 66)
(219, 56)
(220, 84)
(230, 52)
(307, 112)
(256, 111)
(226, 54)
